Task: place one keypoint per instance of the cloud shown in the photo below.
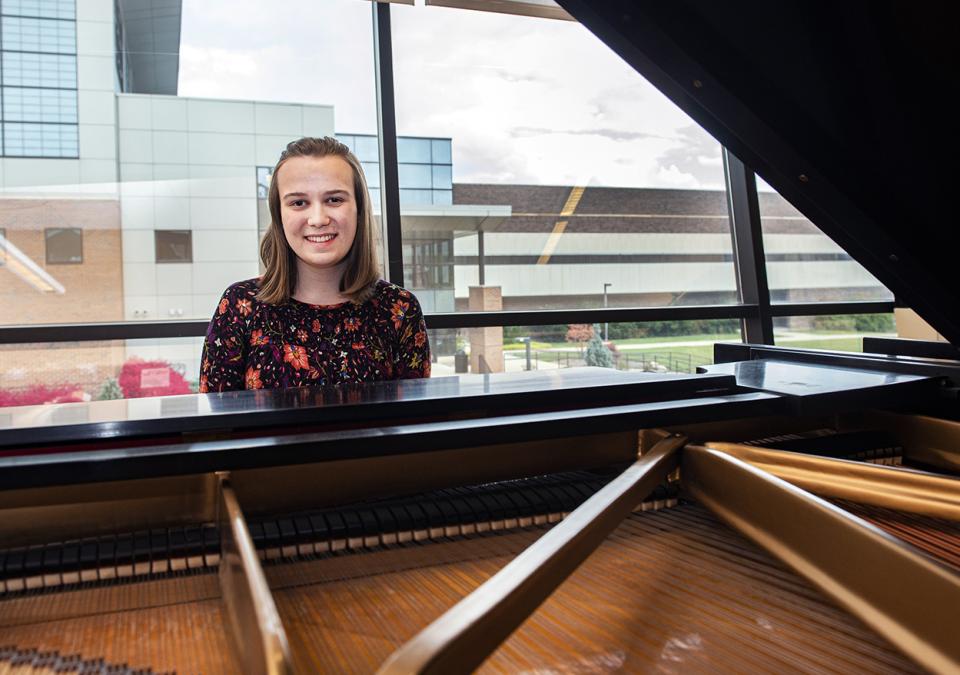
(525, 100)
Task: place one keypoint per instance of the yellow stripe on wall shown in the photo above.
(568, 208)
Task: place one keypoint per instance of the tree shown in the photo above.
(597, 353)
(579, 333)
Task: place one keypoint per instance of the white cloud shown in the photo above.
(524, 100)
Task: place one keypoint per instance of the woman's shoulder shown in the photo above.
(248, 287)
(386, 291)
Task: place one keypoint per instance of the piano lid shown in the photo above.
(839, 106)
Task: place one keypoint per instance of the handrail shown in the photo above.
(145, 330)
(467, 633)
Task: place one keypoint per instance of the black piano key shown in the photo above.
(177, 542)
(33, 562)
(385, 519)
(211, 540)
(465, 513)
(271, 534)
(51, 558)
(288, 531)
(492, 505)
(141, 546)
(353, 524)
(15, 561)
(89, 550)
(370, 526)
(337, 526)
(123, 552)
(255, 529)
(159, 544)
(479, 509)
(448, 513)
(319, 525)
(402, 518)
(193, 535)
(523, 507)
(106, 552)
(418, 516)
(507, 507)
(434, 514)
(304, 529)
(70, 556)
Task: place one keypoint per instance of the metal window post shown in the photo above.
(387, 137)
(749, 262)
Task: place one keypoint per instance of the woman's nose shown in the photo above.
(318, 216)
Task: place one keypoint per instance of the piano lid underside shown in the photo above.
(837, 106)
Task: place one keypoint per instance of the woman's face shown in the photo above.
(318, 208)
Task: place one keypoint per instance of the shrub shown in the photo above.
(161, 381)
(38, 394)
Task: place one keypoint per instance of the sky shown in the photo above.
(526, 101)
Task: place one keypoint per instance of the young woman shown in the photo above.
(320, 314)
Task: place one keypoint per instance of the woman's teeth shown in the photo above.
(320, 238)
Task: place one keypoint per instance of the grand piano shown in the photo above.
(784, 510)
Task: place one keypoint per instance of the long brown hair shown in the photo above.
(279, 280)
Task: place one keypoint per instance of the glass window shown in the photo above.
(413, 197)
(173, 246)
(64, 245)
(39, 70)
(75, 372)
(441, 151)
(832, 332)
(39, 35)
(803, 264)
(371, 171)
(653, 347)
(40, 140)
(413, 150)
(39, 105)
(578, 174)
(49, 9)
(442, 177)
(366, 148)
(414, 176)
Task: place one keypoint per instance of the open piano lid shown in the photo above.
(850, 96)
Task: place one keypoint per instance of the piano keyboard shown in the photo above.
(442, 514)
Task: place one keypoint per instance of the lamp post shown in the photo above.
(606, 326)
(526, 341)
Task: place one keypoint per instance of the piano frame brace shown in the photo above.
(465, 635)
(918, 612)
(252, 617)
(901, 489)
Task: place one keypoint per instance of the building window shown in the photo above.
(64, 245)
(38, 78)
(174, 246)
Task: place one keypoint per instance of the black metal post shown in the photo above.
(387, 135)
(749, 262)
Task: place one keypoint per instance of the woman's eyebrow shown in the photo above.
(295, 194)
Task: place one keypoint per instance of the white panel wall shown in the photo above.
(191, 164)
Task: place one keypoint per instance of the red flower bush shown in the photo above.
(37, 394)
(151, 378)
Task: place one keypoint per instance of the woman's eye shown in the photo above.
(336, 200)
(297, 202)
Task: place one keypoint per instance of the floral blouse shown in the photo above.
(254, 345)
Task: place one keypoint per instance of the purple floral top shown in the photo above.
(253, 345)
